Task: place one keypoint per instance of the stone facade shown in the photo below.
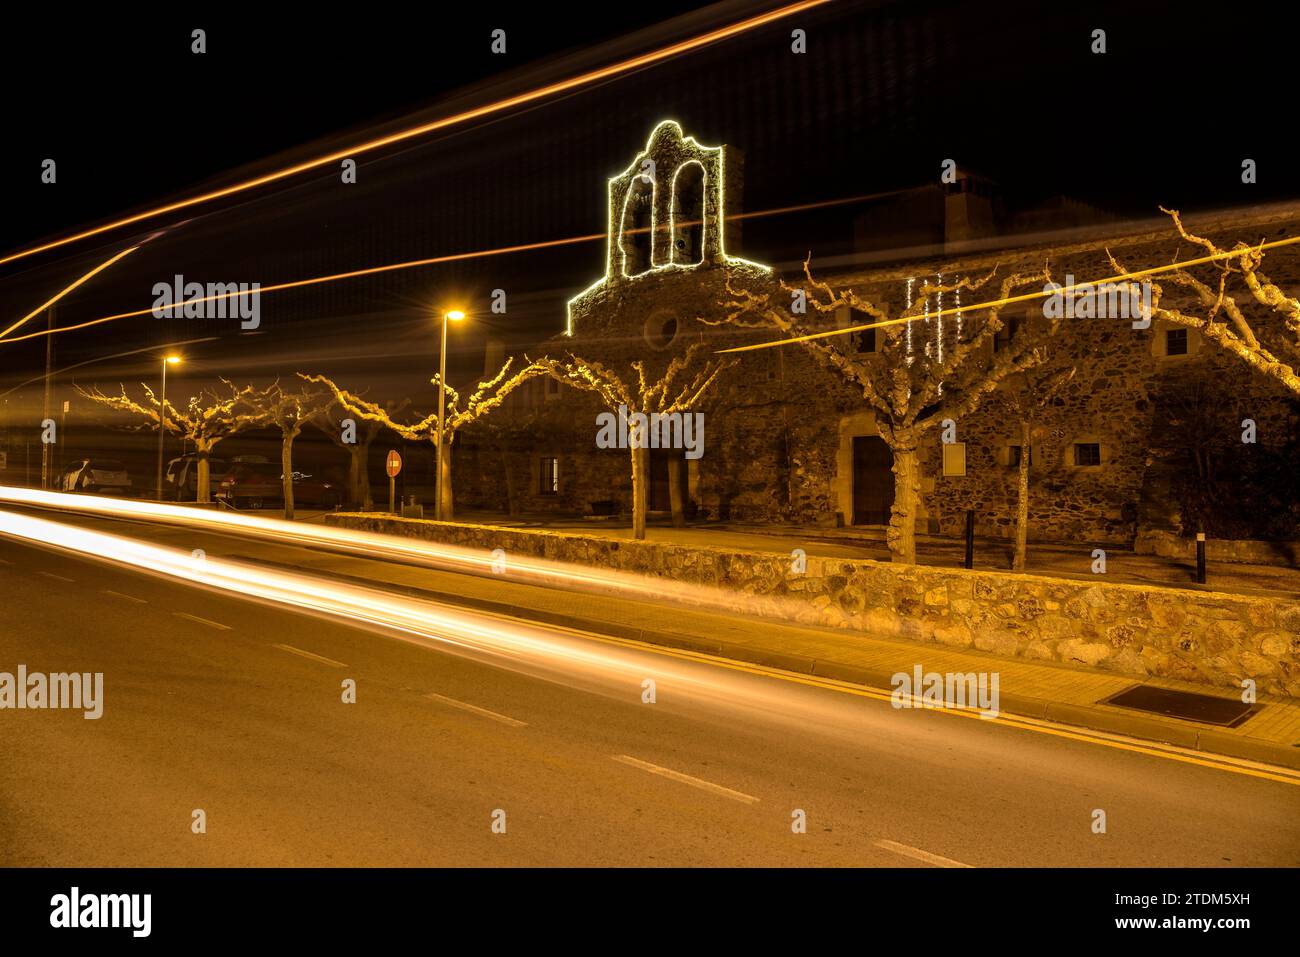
(780, 429)
(1207, 637)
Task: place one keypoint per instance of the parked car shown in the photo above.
(182, 481)
(102, 476)
(257, 485)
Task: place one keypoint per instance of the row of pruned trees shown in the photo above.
(1221, 293)
(1225, 297)
(226, 410)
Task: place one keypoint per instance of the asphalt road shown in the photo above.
(237, 710)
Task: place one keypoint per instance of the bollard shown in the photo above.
(1200, 558)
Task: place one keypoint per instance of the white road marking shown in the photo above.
(686, 779)
(202, 621)
(314, 657)
(54, 576)
(475, 709)
(118, 594)
(917, 854)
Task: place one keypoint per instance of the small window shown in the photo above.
(549, 476)
(954, 458)
(1087, 453)
(1175, 342)
(1013, 455)
(552, 387)
(1002, 338)
(865, 340)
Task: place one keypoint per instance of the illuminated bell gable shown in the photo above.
(666, 214)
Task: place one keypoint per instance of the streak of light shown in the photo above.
(1009, 300)
(505, 642)
(582, 80)
(517, 568)
(97, 359)
(67, 289)
(563, 652)
(450, 257)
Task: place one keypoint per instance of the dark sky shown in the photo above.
(886, 91)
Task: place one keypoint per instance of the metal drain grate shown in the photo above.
(1203, 708)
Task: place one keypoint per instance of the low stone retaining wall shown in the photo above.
(1169, 545)
(1209, 637)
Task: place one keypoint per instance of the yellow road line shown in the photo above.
(1104, 739)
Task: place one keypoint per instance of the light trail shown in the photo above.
(116, 355)
(516, 568)
(1008, 300)
(67, 289)
(562, 86)
(572, 656)
(436, 260)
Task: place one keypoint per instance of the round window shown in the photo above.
(661, 330)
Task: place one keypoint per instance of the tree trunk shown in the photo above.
(1022, 501)
(201, 493)
(286, 469)
(640, 490)
(512, 505)
(676, 491)
(444, 468)
(901, 535)
(363, 477)
(358, 478)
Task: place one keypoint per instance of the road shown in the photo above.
(233, 705)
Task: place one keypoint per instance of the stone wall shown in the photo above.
(1207, 637)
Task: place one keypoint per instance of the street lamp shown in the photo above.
(454, 315)
(162, 417)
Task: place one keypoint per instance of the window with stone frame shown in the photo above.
(1087, 454)
(548, 475)
(1013, 455)
(1002, 338)
(865, 339)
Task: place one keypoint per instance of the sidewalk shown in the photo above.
(1043, 690)
(1052, 559)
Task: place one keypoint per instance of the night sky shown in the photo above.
(132, 117)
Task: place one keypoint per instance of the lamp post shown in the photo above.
(162, 417)
(454, 315)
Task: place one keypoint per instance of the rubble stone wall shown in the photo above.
(1208, 637)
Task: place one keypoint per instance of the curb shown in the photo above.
(1207, 740)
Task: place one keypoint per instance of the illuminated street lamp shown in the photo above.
(169, 360)
(454, 315)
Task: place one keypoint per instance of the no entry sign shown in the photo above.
(393, 464)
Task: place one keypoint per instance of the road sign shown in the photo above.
(393, 464)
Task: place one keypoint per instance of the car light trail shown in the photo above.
(570, 657)
(430, 261)
(521, 99)
(511, 644)
(518, 569)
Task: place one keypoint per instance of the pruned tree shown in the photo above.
(680, 390)
(287, 411)
(208, 418)
(911, 392)
(487, 395)
(1231, 303)
(1026, 395)
(337, 422)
